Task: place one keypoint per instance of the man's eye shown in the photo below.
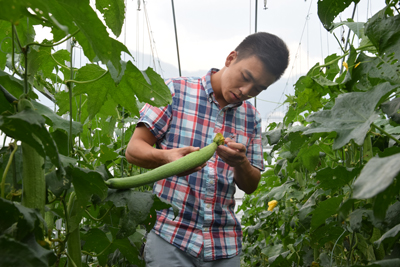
(244, 78)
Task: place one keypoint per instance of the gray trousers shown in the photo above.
(160, 253)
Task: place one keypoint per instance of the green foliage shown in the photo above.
(336, 155)
(82, 143)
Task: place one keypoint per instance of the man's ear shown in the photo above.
(230, 58)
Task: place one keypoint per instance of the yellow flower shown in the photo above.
(346, 66)
(314, 264)
(272, 204)
(357, 64)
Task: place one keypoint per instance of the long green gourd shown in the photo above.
(183, 164)
(33, 180)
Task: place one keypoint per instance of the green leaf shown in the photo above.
(129, 251)
(27, 220)
(336, 178)
(351, 115)
(309, 157)
(324, 210)
(6, 44)
(329, 9)
(26, 126)
(12, 10)
(392, 109)
(86, 183)
(390, 237)
(97, 91)
(384, 32)
(56, 121)
(376, 176)
(393, 215)
(140, 205)
(95, 240)
(56, 183)
(107, 154)
(271, 251)
(25, 31)
(11, 84)
(356, 27)
(147, 86)
(384, 199)
(27, 253)
(114, 14)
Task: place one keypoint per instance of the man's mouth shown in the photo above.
(235, 96)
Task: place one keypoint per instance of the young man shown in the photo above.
(206, 231)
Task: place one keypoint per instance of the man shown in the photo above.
(206, 231)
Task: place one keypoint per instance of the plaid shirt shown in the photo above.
(205, 198)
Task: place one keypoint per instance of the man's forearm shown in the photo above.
(247, 177)
(145, 156)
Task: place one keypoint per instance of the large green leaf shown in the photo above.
(356, 27)
(148, 86)
(26, 220)
(392, 109)
(376, 176)
(28, 253)
(26, 126)
(6, 44)
(95, 240)
(140, 205)
(12, 10)
(56, 121)
(86, 183)
(114, 14)
(351, 115)
(336, 178)
(390, 237)
(329, 9)
(324, 210)
(384, 32)
(70, 15)
(97, 91)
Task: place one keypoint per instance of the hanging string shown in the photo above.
(150, 34)
(293, 64)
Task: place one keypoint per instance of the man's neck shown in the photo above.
(216, 86)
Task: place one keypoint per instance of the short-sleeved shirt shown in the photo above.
(205, 199)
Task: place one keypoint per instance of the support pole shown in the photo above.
(176, 38)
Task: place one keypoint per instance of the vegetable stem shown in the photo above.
(55, 44)
(386, 133)
(3, 180)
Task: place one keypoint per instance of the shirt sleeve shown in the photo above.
(255, 152)
(156, 119)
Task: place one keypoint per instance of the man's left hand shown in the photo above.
(234, 154)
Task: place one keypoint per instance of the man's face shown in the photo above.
(244, 79)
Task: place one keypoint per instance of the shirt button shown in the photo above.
(212, 182)
(208, 206)
(213, 159)
(210, 99)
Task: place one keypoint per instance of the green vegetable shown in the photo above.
(183, 164)
(33, 180)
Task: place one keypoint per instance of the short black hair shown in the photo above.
(269, 48)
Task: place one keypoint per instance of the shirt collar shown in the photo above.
(206, 81)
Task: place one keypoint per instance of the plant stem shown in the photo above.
(70, 85)
(96, 255)
(70, 261)
(55, 44)
(58, 63)
(102, 217)
(386, 133)
(12, 53)
(89, 81)
(3, 180)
